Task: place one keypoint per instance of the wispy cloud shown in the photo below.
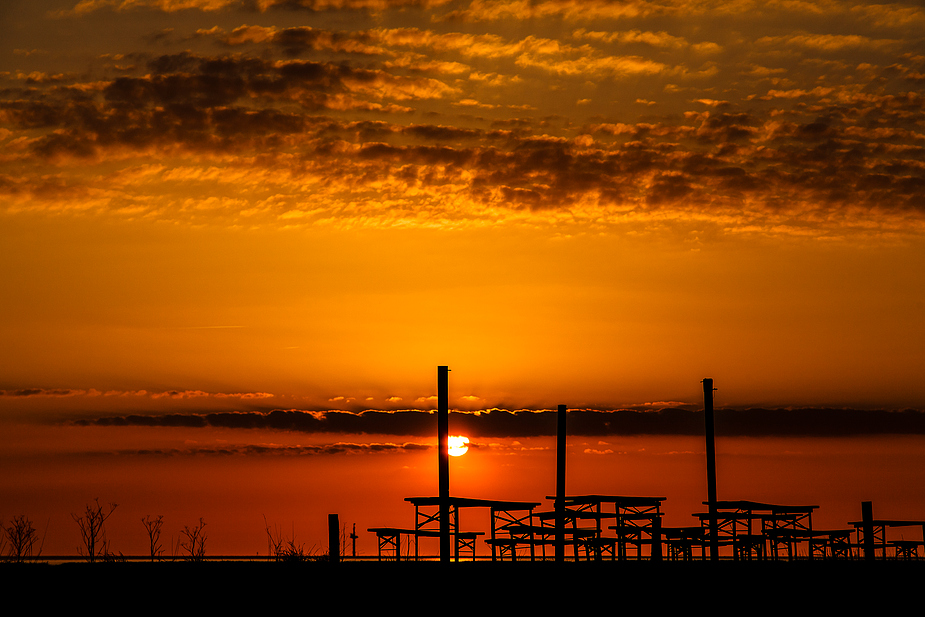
(173, 6)
(338, 448)
(166, 394)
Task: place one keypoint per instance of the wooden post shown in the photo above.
(867, 524)
(656, 538)
(560, 484)
(443, 462)
(711, 466)
(923, 542)
(333, 538)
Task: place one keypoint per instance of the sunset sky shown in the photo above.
(228, 227)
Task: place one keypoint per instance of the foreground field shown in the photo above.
(194, 587)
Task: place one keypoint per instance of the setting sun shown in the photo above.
(457, 445)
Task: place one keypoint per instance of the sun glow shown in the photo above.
(456, 444)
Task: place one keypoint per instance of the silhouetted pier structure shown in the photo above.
(637, 523)
(744, 530)
(515, 526)
(390, 541)
(755, 530)
(685, 543)
(427, 515)
(634, 517)
(559, 529)
(872, 538)
(501, 513)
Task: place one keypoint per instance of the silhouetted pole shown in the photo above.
(333, 538)
(711, 466)
(443, 448)
(657, 538)
(353, 539)
(560, 484)
(867, 524)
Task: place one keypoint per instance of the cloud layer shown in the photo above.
(608, 115)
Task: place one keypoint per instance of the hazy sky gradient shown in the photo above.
(594, 202)
(239, 206)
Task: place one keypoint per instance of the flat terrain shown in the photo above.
(463, 586)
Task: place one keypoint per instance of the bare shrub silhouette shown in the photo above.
(21, 536)
(153, 527)
(93, 531)
(194, 545)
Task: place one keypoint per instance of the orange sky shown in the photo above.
(243, 205)
(295, 491)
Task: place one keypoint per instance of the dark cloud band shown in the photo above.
(278, 450)
(805, 422)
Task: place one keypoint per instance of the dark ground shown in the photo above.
(746, 588)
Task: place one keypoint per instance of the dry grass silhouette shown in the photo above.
(283, 549)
